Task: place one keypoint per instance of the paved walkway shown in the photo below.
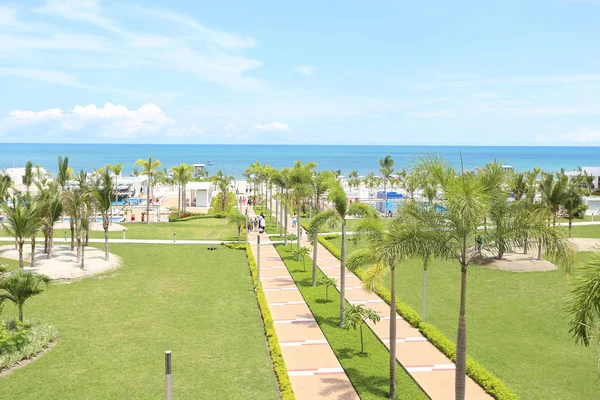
(429, 367)
(313, 368)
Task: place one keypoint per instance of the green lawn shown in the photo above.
(205, 228)
(369, 374)
(586, 231)
(517, 327)
(114, 330)
(11, 264)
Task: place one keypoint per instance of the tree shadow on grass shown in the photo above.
(367, 383)
(323, 301)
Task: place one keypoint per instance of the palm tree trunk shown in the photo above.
(50, 241)
(32, 251)
(21, 312)
(570, 226)
(21, 243)
(315, 245)
(82, 257)
(424, 301)
(239, 232)
(277, 213)
(285, 221)
(79, 241)
(298, 225)
(105, 240)
(271, 203)
(148, 200)
(179, 202)
(46, 240)
(461, 339)
(343, 274)
(526, 244)
(393, 333)
(72, 233)
(539, 257)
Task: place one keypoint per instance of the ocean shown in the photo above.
(233, 159)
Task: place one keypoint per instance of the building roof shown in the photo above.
(591, 171)
(198, 185)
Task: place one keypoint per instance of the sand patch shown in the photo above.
(518, 263)
(63, 264)
(584, 244)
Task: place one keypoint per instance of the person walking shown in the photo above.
(294, 221)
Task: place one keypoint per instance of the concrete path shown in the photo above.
(313, 368)
(428, 366)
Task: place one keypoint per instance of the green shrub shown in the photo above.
(489, 382)
(12, 338)
(39, 336)
(285, 386)
(331, 236)
(236, 246)
(191, 216)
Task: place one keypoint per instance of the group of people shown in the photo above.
(259, 224)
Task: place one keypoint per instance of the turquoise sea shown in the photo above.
(233, 159)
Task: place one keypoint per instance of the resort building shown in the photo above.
(198, 194)
(593, 172)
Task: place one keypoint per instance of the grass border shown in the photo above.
(283, 379)
(488, 381)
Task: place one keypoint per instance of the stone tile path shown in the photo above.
(314, 370)
(429, 367)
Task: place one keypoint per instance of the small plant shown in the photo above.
(291, 237)
(355, 316)
(13, 338)
(302, 252)
(21, 286)
(327, 281)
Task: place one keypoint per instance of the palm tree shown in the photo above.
(387, 249)
(237, 219)
(553, 192)
(5, 184)
(573, 206)
(518, 186)
(52, 209)
(182, 175)
(337, 215)
(149, 168)
(302, 253)
(353, 180)
(327, 281)
(370, 181)
(84, 226)
(386, 170)
(223, 182)
(64, 174)
(321, 182)
(21, 286)
(102, 193)
(300, 180)
(356, 316)
(74, 201)
(22, 221)
(584, 301)
(28, 176)
(449, 232)
(282, 179)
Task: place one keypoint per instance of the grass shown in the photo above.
(11, 264)
(369, 374)
(350, 224)
(517, 327)
(586, 231)
(205, 228)
(114, 330)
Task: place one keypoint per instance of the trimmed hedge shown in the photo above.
(488, 381)
(285, 386)
(173, 217)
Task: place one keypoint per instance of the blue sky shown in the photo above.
(313, 72)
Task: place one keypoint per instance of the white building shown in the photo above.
(594, 172)
(198, 194)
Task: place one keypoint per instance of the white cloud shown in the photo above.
(306, 70)
(581, 135)
(110, 120)
(273, 126)
(230, 127)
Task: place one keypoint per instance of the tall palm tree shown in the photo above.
(553, 189)
(22, 221)
(353, 180)
(182, 175)
(573, 206)
(5, 184)
(52, 209)
(448, 233)
(28, 176)
(102, 193)
(149, 168)
(321, 182)
(20, 287)
(387, 249)
(282, 179)
(337, 216)
(387, 169)
(64, 174)
(73, 203)
(223, 182)
(300, 180)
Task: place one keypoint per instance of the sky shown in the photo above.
(333, 72)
